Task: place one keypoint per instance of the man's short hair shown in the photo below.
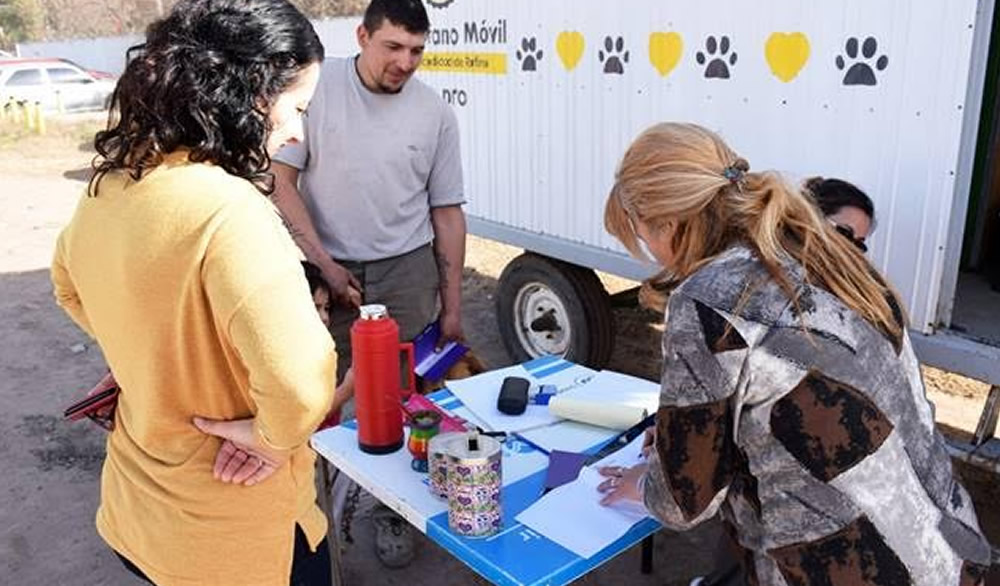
(409, 14)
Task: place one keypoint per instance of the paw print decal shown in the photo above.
(861, 72)
(512, 445)
(718, 57)
(529, 54)
(613, 55)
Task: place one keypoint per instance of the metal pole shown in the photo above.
(326, 476)
(988, 419)
(646, 565)
(39, 119)
(26, 117)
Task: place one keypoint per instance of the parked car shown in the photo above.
(52, 82)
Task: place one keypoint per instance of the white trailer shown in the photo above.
(888, 95)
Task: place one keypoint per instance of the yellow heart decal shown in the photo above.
(787, 54)
(665, 50)
(569, 46)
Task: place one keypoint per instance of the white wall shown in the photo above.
(541, 147)
(338, 35)
(102, 54)
(108, 53)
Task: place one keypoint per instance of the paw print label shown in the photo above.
(529, 54)
(861, 72)
(513, 445)
(718, 57)
(613, 55)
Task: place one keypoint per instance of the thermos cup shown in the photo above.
(378, 388)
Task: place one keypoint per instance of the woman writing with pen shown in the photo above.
(791, 399)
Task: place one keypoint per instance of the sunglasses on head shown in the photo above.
(848, 232)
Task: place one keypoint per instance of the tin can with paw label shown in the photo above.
(438, 461)
(475, 479)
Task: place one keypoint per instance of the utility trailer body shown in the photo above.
(549, 94)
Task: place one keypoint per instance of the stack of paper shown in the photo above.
(609, 399)
(572, 515)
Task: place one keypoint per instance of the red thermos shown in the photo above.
(378, 388)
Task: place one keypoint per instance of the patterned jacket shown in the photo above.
(810, 431)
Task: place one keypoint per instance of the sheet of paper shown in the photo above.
(564, 467)
(569, 436)
(479, 395)
(609, 399)
(593, 526)
(564, 379)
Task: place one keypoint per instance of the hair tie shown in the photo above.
(733, 174)
(736, 171)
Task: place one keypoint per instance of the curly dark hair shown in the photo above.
(205, 80)
(314, 276)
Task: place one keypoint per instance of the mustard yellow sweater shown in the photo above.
(192, 287)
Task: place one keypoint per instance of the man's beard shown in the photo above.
(390, 90)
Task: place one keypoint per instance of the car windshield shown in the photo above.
(66, 75)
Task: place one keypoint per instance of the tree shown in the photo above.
(20, 20)
(330, 8)
(32, 20)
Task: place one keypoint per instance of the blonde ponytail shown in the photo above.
(687, 174)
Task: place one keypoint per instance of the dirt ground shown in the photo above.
(49, 493)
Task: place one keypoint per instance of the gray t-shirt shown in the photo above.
(373, 165)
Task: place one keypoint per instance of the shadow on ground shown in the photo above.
(82, 174)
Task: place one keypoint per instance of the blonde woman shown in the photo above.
(792, 401)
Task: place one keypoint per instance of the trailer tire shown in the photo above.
(546, 306)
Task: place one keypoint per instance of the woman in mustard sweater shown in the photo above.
(178, 265)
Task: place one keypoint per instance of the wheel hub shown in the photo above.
(541, 321)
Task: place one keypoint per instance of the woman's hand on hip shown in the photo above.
(242, 458)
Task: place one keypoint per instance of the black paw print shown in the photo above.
(717, 67)
(861, 73)
(613, 56)
(529, 54)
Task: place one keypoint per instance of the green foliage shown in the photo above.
(20, 20)
(33, 20)
(330, 8)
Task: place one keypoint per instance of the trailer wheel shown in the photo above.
(549, 307)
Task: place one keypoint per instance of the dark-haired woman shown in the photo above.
(179, 266)
(849, 209)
